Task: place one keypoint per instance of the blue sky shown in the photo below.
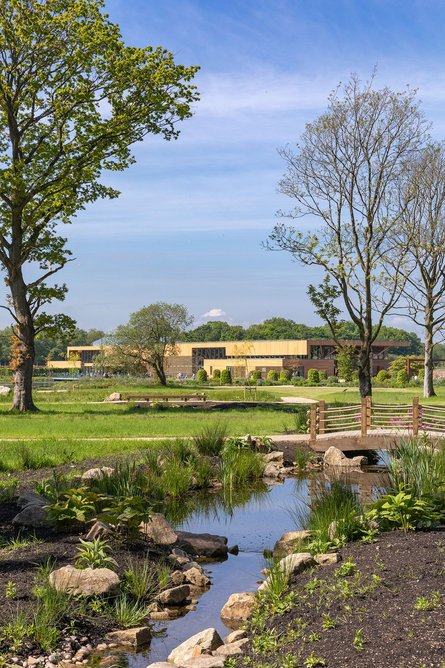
(192, 215)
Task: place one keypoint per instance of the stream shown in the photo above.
(254, 523)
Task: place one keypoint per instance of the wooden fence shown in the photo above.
(368, 416)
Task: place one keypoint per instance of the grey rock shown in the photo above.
(203, 544)
(231, 649)
(205, 662)
(204, 642)
(4, 390)
(85, 582)
(289, 541)
(238, 608)
(99, 530)
(159, 530)
(335, 457)
(135, 638)
(97, 473)
(240, 634)
(195, 576)
(29, 497)
(327, 559)
(35, 516)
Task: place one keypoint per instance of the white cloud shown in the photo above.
(214, 313)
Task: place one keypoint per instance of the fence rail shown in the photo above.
(368, 416)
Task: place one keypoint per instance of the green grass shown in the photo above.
(384, 395)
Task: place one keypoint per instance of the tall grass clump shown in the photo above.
(128, 612)
(418, 465)
(240, 464)
(333, 516)
(210, 440)
(141, 580)
(127, 480)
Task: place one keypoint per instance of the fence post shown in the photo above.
(313, 423)
(321, 416)
(364, 416)
(415, 416)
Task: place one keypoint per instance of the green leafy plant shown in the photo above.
(127, 612)
(312, 661)
(359, 640)
(126, 515)
(273, 375)
(75, 506)
(142, 580)
(402, 510)
(94, 554)
(327, 622)
(347, 568)
(202, 376)
(10, 590)
(13, 633)
(423, 603)
(210, 440)
(225, 377)
(313, 376)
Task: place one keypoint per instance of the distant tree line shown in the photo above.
(49, 348)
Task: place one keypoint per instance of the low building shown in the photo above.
(243, 357)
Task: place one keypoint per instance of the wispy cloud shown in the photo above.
(214, 313)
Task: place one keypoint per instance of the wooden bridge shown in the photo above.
(372, 426)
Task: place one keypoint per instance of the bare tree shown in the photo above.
(345, 173)
(422, 232)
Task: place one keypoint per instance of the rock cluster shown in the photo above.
(335, 457)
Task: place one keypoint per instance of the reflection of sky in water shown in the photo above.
(253, 526)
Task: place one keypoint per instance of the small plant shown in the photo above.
(141, 580)
(127, 514)
(20, 542)
(94, 554)
(15, 631)
(303, 457)
(127, 612)
(272, 375)
(403, 510)
(347, 568)
(312, 661)
(10, 590)
(423, 603)
(314, 637)
(327, 622)
(359, 640)
(76, 506)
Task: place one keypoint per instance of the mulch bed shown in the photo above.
(395, 634)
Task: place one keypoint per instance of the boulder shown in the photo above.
(205, 662)
(203, 642)
(272, 472)
(289, 541)
(135, 638)
(85, 582)
(34, 516)
(292, 565)
(335, 457)
(276, 457)
(240, 634)
(99, 530)
(238, 609)
(327, 559)
(203, 544)
(177, 578)
(195, 576)
(29, 497)
(174, 596)
(4, 390)
(231, 649)
(159, 530)
(114, 396)
(95, 474)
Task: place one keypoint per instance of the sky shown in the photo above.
(193, 215)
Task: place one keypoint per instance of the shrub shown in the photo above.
(216, 374)
(402, 376)
(313, 376)
(323, 374)
(404, 511)
(382, 376)
(225, 377)
(285, 375)
(202, 376)
(332, 380)
(76, 506)
(127, 514)
(210, 440)
(272, 375)
(255, 375)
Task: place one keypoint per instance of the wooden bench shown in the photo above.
(166, 397)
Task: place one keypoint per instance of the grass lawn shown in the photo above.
(381, 395)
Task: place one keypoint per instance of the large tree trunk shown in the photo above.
(428, 387)
(364, 372)
(24, 351)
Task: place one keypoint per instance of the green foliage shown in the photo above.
(75, 506)
(255, 375)
(210, 440)
(52, 610)
(382, 375)
(303, 456)
(216, 374)
(239, 463)
(8, 489)
(402, 376)
(346, 362)
(347, 568)
(423, 603)
(126, 514)
(14, 632)
(332, 380)
(313, 376)
(285, 375)
(201, 376)
(142, 580)
(273, 375)
(323, 375)
(94, 554)
(313, 661)
(403, 511)
(10, 590)
(399, 364)
(225, 377)
(359, 640)
(418, 464)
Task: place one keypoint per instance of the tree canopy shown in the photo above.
(73, 99)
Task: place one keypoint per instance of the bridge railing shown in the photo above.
(368, 416)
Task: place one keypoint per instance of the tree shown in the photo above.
(346, 174)
(73, 99)
(346, 358)
(151, 336)
(422, 232)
